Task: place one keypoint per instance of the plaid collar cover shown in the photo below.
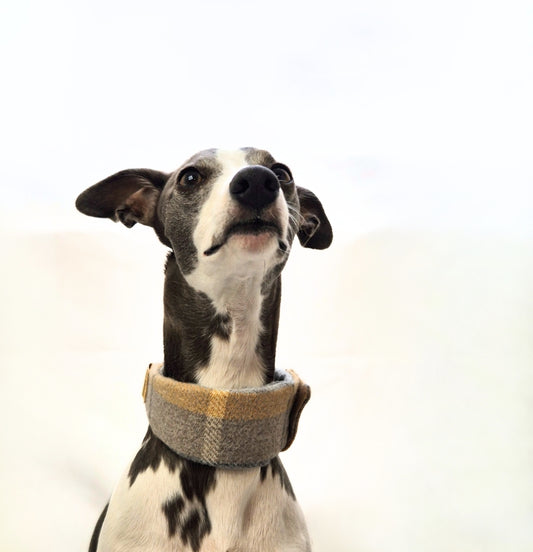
(233, 429)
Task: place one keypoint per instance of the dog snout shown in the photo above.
(255, 187)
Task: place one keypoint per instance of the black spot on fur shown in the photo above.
(279, 471)
(192, 527)
(195, 528)
(189, 514)
(172, 510)
(196, 482)
(150, 455)
(186, 514)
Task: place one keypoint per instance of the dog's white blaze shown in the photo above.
(232, 279)
(216, 208)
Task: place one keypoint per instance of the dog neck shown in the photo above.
(227, 344)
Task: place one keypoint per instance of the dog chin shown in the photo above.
(253, 243)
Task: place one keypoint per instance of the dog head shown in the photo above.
(223, 213)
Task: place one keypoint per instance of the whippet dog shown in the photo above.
(229, 219)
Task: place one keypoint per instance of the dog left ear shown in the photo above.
(315, 230)
(129, 196)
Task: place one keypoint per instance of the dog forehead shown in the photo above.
(258, 157)
(221, 160)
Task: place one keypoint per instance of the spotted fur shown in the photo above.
(221, 308)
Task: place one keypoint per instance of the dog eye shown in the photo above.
(189, 177)
(282, 173)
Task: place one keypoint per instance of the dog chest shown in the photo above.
(165, 510)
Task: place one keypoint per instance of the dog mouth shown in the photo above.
(254, 226)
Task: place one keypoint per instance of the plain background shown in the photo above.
(412, 122)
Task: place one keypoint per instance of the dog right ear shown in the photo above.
(129, 196)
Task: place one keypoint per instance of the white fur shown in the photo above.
(242, 510)
(232, 279)
(220, 275)
(246, 514)
(135, 520)
(234, 363)
(218, 206)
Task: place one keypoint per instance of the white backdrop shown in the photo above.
(412, 122)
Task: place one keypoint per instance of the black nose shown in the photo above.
(254, 186)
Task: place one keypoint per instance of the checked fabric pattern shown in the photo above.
(225, 428)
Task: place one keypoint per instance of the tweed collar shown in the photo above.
(225, 428)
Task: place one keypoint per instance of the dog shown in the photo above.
(229, 219)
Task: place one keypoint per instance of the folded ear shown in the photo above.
(315, 230)
(130, 196)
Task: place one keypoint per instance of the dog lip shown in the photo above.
(213, 249)
(252, 226)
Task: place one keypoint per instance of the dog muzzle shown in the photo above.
(240, 428)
